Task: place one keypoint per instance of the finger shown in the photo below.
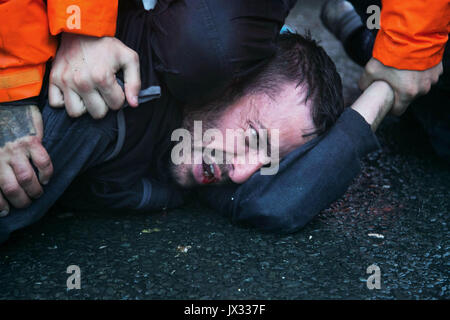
(4, 206)
(74, 105)
(438, 74)
(129, 63)
(365, 81)
(400, 104)
(26, 177)
(55, 96)
(95, 104)
(11, 189)
(42, 162)
(111, 92)
(426, 87)
(440, 69)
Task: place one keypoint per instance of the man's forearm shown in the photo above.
(375, 103)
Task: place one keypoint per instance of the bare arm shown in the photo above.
(375, 103)
(407, 84)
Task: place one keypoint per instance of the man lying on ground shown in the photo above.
(126, 160)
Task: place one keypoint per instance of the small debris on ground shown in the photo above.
(150, 230)
(376, 235)
(183, 249)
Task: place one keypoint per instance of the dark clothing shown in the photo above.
(120, 162)
(74, 146)
(87, 155)
(198, 47)
(308, 181)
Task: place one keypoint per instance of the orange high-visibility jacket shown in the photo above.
(412, 36)
(413, 33)
(27, 37)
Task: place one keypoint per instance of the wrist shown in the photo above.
(375, 103)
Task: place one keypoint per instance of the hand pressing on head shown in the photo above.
(83, 75)
(407, 84)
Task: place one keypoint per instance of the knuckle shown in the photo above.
(21, 145)
(133, 56)
(371, 68)
(11, 190)
(25, 178)
(435, 79)
(44, 162)
(66, 79)
(411, 91)
(55, 77)
(33, 140)
(101, 78)
(82, 83)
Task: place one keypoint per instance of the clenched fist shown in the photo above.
(407, 84)
(83, 75)
(21, 132)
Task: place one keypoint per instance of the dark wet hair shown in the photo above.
(298, 59)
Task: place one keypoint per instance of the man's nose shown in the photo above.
(242, 172)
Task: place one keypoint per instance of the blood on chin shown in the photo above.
(204, 174)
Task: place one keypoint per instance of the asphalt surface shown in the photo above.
(395, 216)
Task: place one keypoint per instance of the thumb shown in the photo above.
(132, 76)
(365, 81)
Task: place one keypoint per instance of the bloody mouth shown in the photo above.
(205, 173)
(209, 173)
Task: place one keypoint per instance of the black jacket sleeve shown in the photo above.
(197, 48)
(309, 179)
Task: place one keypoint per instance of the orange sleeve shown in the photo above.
(413, 33)
(89, 17)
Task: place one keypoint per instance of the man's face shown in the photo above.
(228, 152)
